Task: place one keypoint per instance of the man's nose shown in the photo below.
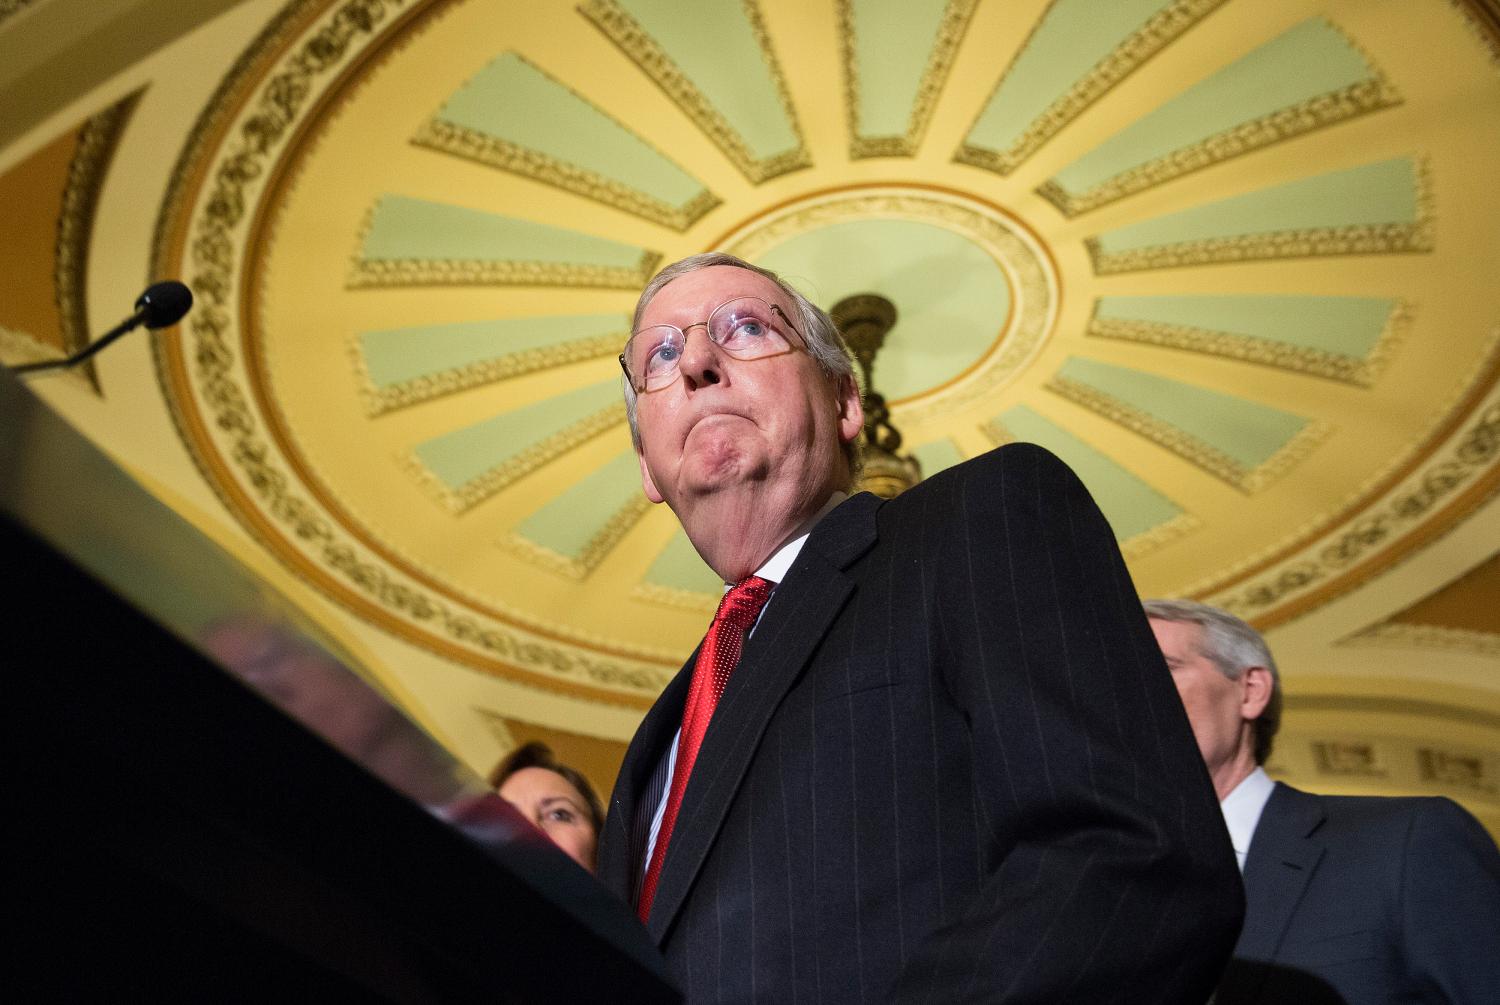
(701, 363)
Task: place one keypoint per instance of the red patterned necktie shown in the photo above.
(716, 660)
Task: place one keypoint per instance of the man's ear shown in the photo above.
(647, 482)
(851, 410)
(1257, 692)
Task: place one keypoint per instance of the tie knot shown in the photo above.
(741, 605)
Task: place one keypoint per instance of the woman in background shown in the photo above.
(555, 797)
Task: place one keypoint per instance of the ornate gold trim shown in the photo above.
(289, 67)
(379, 400)
(587, 560)
(1475, 451)
(1406, 636)
(1363, 239)
(1031, 275)
(481, 487)
(950, 34)
(497, 152)
(1160, 29)
(638, 46)
(670, 596)
(1369, 95)
(366, 273)
(1190, 447)
(75, 223)
(1267, 352)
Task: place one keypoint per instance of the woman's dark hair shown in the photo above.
(538, 755)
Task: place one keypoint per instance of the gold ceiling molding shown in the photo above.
(588, 558)
(447, 137)
(480, 488)
(1310, 242)
(1398, 635)
(1308, 116)
(380, 399)
(1025, 261)
(1361, 372)
(507, 156)
(96, 147)
(375, 273)
(1464, 466)
(671, 597)
(638, 45)
(1186, 445)
(285, 79)
(950, 34)
(1161, 29)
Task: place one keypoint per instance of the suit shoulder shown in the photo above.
(982, 473)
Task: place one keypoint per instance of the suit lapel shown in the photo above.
(1284, 854)
(800, 613)
(619, 856)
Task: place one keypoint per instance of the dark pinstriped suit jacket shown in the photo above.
(950, 766)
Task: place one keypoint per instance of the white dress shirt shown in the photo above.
(1242, 809)
(774, 570)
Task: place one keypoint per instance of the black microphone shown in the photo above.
(162, 304)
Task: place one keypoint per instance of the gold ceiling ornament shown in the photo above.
(1308, 116)
(1361, 371)
(950, 33)
(254, 475)
(864, 320)
(637, 43)
(1029, 271)
(1159, 31)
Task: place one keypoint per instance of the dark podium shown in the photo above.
(209, 806)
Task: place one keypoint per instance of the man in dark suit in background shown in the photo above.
(1349, 898)
(928, 749)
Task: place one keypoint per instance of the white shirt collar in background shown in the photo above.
(1242, 809)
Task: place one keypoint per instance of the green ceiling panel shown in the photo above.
(402, 228)
(395, 355)
(462, 456)
(1130, 505)
(1246, 432)
(714, 43)
(679, 567)
(1385, 192)
(1071, 39)
(1346, 326)
(937, 455)
(514, 101)
(892, 41)
(574, 520)
(1310, 60)
(952, 299)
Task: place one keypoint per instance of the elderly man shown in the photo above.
(1350, 899)
(927, 749)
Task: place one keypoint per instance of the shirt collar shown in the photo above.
(1242, 809)
(775, 567)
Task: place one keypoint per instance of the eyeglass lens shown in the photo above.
(745, 328)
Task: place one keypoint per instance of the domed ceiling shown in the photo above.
(1232, 261)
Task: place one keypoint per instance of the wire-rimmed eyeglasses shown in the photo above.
(745, 328)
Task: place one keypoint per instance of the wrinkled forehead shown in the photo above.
(690, 298)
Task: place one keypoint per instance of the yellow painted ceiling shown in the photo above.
(1230, 260)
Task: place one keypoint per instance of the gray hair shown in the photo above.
(1233, 647)
(824, 344)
